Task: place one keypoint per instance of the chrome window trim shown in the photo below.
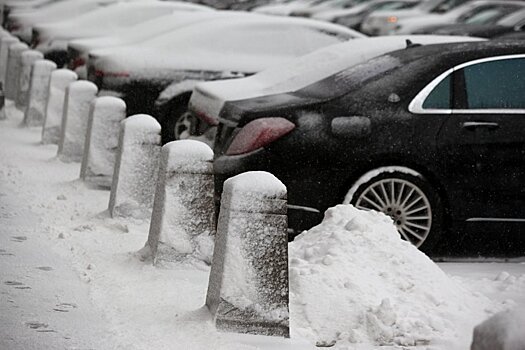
(495, 220)
(416, 105)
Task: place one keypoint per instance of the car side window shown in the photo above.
(440, 96)
(496, 84)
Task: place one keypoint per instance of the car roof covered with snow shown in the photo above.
(209, 97)
(146, 30)
(113, 17)
(244, 42)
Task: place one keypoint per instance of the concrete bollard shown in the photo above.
(100, 147)
(59, 81)
(248, 287)
(38, 92)
(136, 167)
(183, 220)
(26, 63)
(77, 102)
(502, 331)
(5, 42)
(13, 69)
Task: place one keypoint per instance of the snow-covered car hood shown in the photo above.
(210, 97)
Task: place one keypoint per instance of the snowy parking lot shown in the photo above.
(71, 278)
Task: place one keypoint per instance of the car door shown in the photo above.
(484, 139)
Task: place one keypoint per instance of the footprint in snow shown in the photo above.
(16, 284)
(18, 238)
(44, 268)
(40, 327)
(4, 252)
(65, 307)
(13, 283)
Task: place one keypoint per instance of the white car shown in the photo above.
(352, 17)
(209, 98)
(52, 39)
(330, 5)
(386, 22)
(79, 49)
(461, 14)
(157, 76)
(21, 23)
(286, 8)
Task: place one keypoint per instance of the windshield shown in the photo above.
(512, 19)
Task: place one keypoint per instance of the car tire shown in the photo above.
(407, 197)
(179, 123)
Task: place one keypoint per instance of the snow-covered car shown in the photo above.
(7, 7)
(330, 5)
(488, 24)
(52, 39)
(21, 24)
(78, 50)
(354, 16)
(386, 22)
(285, 8)
(210, 100)
(431, 135)
(157, 76)
(475, 12)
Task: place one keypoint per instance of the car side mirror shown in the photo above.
(351, 127)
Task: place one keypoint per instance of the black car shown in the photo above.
(431, 135)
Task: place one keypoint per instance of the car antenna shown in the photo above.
(410, 44)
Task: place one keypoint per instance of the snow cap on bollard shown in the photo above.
(13, 69)
(59, 81)
(136, 167)
(38, 92)
(77, 102)
(26, 63)
(183, 221)
(248, 287)
(101, 142)
(5, 42)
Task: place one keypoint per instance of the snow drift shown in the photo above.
(354, 280)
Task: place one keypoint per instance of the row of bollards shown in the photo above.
(171, 184)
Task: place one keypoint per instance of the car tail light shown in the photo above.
(392, 19)
(259, 133)
(208, 119)
(77, 62)
(13, 25)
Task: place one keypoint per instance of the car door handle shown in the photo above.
(475, 125)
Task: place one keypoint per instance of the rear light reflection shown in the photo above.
(259, 133)
(100, 73)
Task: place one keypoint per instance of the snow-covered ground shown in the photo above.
(70, 277)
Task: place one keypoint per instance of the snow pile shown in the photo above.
(353, 280)
(503, 331)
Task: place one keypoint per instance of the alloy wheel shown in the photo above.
(404, 202)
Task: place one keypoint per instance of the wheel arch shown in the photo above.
(406, 167)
